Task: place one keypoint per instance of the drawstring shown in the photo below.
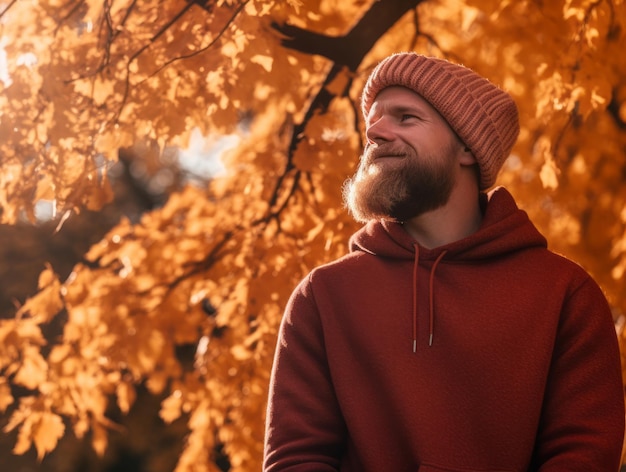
(431, 297)
(415, 267)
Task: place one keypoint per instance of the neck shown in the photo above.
(457, 219)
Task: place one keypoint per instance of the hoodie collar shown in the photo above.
(505, 229)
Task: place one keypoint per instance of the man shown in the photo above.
(450, 338)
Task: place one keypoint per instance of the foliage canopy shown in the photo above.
(213, 267)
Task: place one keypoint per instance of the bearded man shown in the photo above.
(450, 338)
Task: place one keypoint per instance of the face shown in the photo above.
(410, 163)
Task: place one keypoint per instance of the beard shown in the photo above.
(409, 189)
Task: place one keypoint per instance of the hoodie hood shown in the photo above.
(504, 229)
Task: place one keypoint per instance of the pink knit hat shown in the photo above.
(483, 116)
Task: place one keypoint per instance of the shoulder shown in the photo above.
(331, 276)
(340, 268)
(580, 291)
(559, 265)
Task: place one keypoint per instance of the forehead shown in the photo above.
(399, 98)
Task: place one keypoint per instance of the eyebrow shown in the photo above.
(407, 108)
(402, 109)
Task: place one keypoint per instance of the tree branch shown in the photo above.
(218, 36)
(614, 111)
(13, 2)
(348, 50)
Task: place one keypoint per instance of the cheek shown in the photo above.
(361, 168)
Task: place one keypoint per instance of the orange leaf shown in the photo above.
(126, 396)
(33, 370)
(47, 433)
(99, 439)
(6, 398)
(171, 407)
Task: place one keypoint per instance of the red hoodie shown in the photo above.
(488, 354)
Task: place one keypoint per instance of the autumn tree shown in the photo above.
(88, 84)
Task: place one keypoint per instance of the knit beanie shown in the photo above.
(481, 114)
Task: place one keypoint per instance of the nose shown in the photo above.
(379, 131)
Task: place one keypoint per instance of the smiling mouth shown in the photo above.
(386, 160)
(387, 156)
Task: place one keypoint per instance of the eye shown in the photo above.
(407, 116)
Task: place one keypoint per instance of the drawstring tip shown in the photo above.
(430, 341)
(414, 345)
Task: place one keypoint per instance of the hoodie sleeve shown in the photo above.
(304, 427)
(582, 424)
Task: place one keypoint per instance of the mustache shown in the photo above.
(373, 152)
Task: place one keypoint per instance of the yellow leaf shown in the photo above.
(200, 418)
(33, 370)
(126, 396)
(549, 174)
(6, 398)
(99, 439)
(59, 353)
(171, 407)
(47, 303)
(47, 277)
(44, 305)
(157, 381)
(81, 427)
(240, 352)
(47, 433)
(22, 445)
(264, 61)
(102, 90)
(29, 331)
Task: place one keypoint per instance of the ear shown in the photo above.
(466, 157)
